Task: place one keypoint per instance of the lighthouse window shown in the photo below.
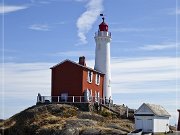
(90, 76)
(97, 79)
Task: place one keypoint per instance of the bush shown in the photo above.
(106, 113)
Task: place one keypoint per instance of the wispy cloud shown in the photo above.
(11, 8)
(41, 1)
(22, 82)
(178, 11)
(162, 46)
(73, 53)
(9, 50)
(173, 11)
(45, 26)
(40, 27)
(80, 0)
(88, 18)
(120, 41)
(144, 70)
(131, 29)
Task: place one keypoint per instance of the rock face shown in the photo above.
(59, 119)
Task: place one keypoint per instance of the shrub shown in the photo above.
(106, 113)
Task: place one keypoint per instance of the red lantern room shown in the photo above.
(103, 26)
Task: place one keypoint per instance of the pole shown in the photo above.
(178, 126)
(127, 111)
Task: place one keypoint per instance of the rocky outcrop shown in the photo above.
(59, 119)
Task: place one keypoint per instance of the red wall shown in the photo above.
(72, 79)
(93, 85)
(67, 78)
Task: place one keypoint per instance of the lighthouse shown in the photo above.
(102, 56)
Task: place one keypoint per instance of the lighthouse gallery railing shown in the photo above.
(103, 33)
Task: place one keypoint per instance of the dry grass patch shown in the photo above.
(7, 124)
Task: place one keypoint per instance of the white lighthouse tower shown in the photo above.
(102, 57)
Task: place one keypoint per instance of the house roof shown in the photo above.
(157, 110)
(85, 67)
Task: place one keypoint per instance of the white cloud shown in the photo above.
(173, 11)
(40, 27)
(73, 53)
(144, 69)
(26, 79)
(88, 18)
(11, 8)
(22, 82)
(178, 11)
(131, 29)
(41, 1)
(120, 41)
(80, 0)
(158, 46)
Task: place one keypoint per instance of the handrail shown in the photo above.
(72, 99)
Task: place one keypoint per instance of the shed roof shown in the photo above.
(157, 110)
(85, 67)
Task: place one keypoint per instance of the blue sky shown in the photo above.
(36, 34)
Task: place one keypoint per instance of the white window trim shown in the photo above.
(97, 81)
(97, 95)
(90, 78)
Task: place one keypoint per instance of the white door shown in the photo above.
(139, 124)
(147, 125)
(144, 123)
(64, 97)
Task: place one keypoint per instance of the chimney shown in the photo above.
(82, 61)
(178, 127)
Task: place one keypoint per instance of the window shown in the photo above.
(97, 95)
(87, 95)
(91, 94)
(90, 76)
(97, 79)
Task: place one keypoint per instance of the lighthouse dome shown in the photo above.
(103, 26)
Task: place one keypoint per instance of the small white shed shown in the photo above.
(152, 118)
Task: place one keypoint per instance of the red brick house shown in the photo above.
(76, 79)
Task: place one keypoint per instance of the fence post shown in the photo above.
(119, 112)
(73, 99)
(127, 111)
(58, 98)
(80, 99)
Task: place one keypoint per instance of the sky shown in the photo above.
(37, 34)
